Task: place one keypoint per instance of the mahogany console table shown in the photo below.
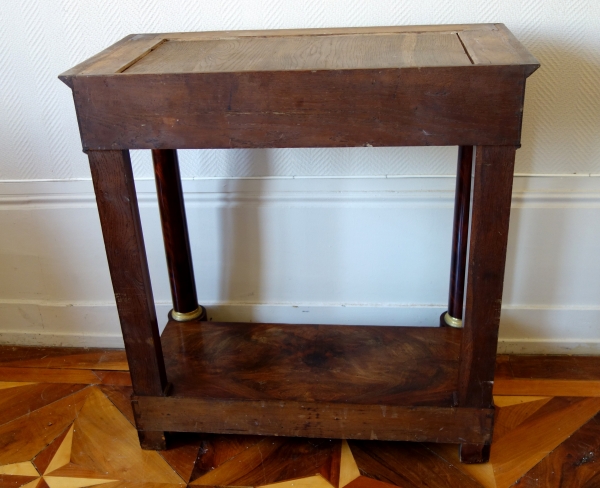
(460, 85)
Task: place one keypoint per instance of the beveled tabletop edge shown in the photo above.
(126, 52)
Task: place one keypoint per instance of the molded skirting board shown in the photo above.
(335, 250)
(96, 325)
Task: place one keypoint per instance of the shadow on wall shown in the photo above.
(240, 237)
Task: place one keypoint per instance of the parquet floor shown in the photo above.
(66, 422)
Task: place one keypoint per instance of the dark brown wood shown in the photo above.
(494, 168)
(175, 230)
(553, 367)
(264, 460)
(313, 419)
(184, 450)
(474, 453)
(152, 440)
(492, 190)
(44, 356)
(460, 231)
(120, 220)
(413, 106)
(403, 465)
(314, 363)
(573, 463)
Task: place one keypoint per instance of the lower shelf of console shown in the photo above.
(351, 382)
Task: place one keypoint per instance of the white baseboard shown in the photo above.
(327, 242)
(569, 331)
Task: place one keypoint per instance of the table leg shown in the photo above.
(175, 236)
(120, 220)
(492, 191)
(460, 235)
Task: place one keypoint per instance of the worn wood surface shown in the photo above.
(420, 85)
(313, 419)
(133, 49)
(492, 188)
(334, 108)
(120, 220)
(313, 363)
(290, 53)
(175, 230)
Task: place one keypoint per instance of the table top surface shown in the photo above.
(309, 50)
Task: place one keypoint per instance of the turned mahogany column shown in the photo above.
(460, 237)
(175, 236)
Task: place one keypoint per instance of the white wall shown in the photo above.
(305, 235)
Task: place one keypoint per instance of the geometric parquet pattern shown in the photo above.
(66, 422)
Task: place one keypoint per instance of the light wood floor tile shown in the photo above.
(139, 484)
(309, 482)
(348, 468)
(74, 471)
(34, 484)
(120, 396)
(62, 457)
(522, 448)
(44, 458)
(60, 482)
(4, 385)
(19, 469)
(104, 441)
(364, 482)
(507, 401)
(547, 387)
(575, 463)
(509, 417)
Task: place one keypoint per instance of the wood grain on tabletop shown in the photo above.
(483, 44)
(372, 51)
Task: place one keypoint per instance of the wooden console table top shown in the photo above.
(378, 86)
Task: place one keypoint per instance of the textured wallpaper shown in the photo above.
(41, 38)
